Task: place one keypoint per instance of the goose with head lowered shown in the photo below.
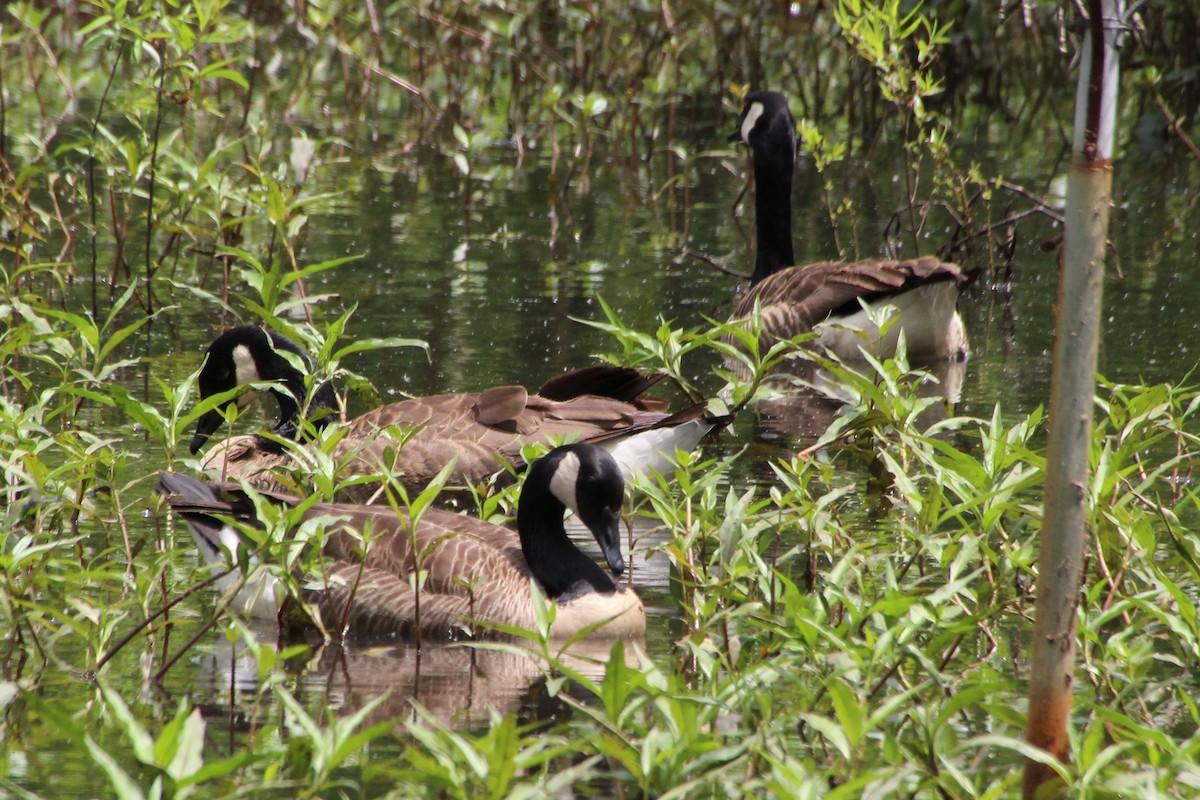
(473, 571)
(824, 297)
(482, 432)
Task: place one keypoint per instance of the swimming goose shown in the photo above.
(483, 431)
(824, 296)
(474, 570)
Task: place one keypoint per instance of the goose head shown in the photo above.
(766, 126)
(248, 354)
(587, 480)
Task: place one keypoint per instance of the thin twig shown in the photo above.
(1176, 126)
(398, 81)
(124, 640)
(204, 629)
(812, 448)
(717, 265)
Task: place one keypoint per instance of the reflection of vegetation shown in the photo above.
(166, 150)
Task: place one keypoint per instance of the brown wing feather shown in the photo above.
(241, 457)
(500, 405)
(796, 299)
(393, 609)
(482, 433)
(452, 546)
(473, 570)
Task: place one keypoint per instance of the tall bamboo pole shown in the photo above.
(1076, 340)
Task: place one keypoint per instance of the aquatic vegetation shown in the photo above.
(850, 620)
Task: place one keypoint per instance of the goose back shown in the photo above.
(803, 298)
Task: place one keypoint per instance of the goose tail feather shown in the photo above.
(201, 505)
(197, 502)
(602, 380)
(654, 450)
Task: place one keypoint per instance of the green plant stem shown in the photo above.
(91, 174)
(152, 177)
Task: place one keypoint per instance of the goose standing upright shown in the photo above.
(481, 431)
(472, 570)
(825, 296)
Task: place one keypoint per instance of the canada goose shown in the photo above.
(824, 296)
(481, 431)
(473, 570)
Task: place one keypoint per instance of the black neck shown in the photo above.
(773, 169)
(322, 409)
(563, 570)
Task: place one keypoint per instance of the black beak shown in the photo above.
(607, 531)
(206, 427)
(736, 136)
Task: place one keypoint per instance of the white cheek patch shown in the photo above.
(748, 122)
(243, 362)
(562, 483)
(246, 372)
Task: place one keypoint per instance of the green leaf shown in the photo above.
(276, 205)
(315, 269)
(1021, 748)
(209, 73)
(848, 710)
(831, 731)
(377, 344)
(189, 750)
(138, 736)
(125, 787)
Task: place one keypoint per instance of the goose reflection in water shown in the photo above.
(457, 684)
